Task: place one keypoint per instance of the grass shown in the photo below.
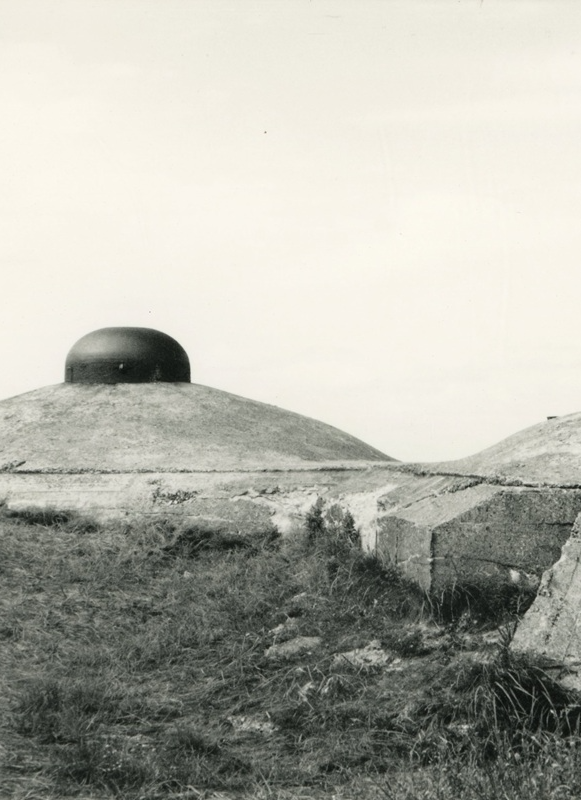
(136, 662)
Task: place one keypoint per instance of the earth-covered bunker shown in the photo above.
(145, 441)
(128, 434)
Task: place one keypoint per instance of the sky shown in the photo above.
(364, 211)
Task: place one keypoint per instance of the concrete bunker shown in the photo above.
(128, 435)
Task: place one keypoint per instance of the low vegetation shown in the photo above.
(147, 661)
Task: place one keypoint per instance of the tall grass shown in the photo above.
(138, 663)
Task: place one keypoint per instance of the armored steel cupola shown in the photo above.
(127, 355)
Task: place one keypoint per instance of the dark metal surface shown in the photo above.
(127, 355)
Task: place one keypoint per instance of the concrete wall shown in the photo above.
(478, 532)
(244, 501)
(519, 529)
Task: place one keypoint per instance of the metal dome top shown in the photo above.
(127, 355)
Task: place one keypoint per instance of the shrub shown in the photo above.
(331, 531)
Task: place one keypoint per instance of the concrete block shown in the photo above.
(551, 628)
(482, 531)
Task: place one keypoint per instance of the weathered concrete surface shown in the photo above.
(551, 628)
(246, 501)
(547, 454)
(164, 427)
(468, 534)
(126, 450)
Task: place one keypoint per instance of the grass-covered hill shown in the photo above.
(150, 661)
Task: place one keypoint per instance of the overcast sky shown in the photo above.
(366, 211)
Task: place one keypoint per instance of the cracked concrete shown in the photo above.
(440, 532)
(551, 628)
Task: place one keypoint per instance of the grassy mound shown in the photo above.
(154, 661)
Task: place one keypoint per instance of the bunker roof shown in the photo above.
(127, 355)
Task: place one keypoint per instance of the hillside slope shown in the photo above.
(164, 426)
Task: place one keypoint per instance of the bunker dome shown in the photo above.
(127, 355)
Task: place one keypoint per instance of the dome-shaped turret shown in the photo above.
(127, 355)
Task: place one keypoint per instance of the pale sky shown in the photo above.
(365, 211)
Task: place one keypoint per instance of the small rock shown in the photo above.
(300, 645)
(394, 666)
(461, 729)
(244, 724)
(524, 579)
(368, 657)
(286, 629)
